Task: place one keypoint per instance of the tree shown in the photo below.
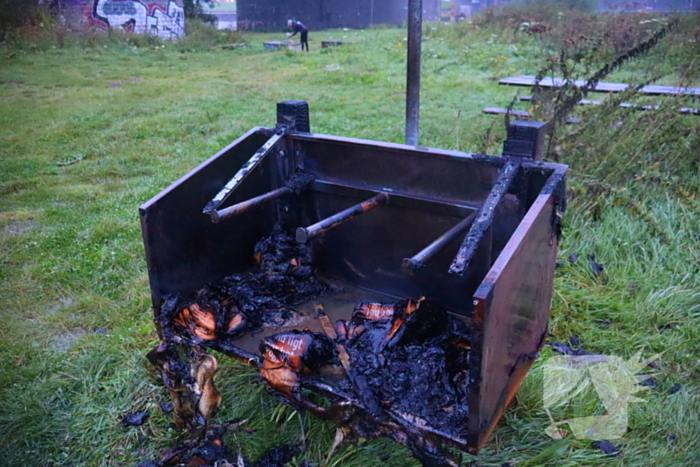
(194, 9)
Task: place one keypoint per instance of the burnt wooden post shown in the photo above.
(294, 115)
(525, 139)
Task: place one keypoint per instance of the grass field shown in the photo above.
(89, 132)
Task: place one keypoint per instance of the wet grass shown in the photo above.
(89, 133)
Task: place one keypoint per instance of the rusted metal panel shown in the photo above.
(184, 249)
(511, 309)
(434, 174)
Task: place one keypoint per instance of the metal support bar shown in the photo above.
(484, 219)
(411, 265)
(413, 55)
(217, 216)
(305, 234)
(242, 173)
(397, 199)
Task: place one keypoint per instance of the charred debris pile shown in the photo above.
(245, 303)
(209, 450)
(391, 369)
(413, 358)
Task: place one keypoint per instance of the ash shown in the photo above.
(422, 376)
(245, 303)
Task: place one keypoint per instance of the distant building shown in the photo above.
(226, 14)
(324, 14)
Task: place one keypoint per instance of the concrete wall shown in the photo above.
(163, 18)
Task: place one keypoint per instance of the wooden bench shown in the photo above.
(651, 90)
(521, 114)
(277, 45)
(682, 110)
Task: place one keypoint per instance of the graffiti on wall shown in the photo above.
(165, 19)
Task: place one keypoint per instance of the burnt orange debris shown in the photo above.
(288, 355)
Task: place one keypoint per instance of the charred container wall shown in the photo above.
(369, 250)
(184, 250)
(503, 296)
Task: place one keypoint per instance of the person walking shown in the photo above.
(299, 27)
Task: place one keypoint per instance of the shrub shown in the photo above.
(202, 35)
(195, 9)
(17, 13)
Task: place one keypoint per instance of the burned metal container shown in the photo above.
(472, 234)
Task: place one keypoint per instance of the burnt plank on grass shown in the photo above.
(624, 105)
(523, 114)
(501, 111)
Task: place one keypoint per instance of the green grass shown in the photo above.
(89, 133)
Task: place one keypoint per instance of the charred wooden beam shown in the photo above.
(243, 206)
(484, 219)
(242, 173)
(358, 380)
(305, 234)
(417, 261)
(232, 351)
(188, 375)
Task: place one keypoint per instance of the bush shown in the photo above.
(202, 35)
(194, 9)
(562, 5)
(551, 12)
(17, 13)
(40, 28)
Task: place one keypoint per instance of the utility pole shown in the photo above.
(415, 22)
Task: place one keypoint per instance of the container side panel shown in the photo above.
(184, 249)
(459, 180)
(512, 305)
(368, 250)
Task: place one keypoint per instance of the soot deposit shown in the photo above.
(210, 450)
(245, 303)
(406, 363)
(413, 360)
